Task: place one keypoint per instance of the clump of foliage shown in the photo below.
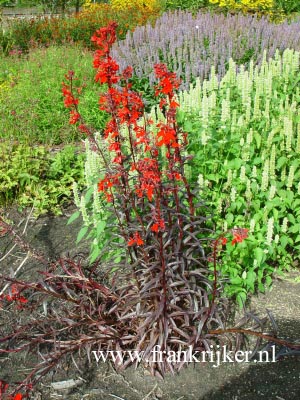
(245, 136)
(32, 177)
(158, 291)
(191, 5)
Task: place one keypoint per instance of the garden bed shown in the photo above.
(180, 209)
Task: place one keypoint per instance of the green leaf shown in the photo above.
(257, 137)
(235, 163)
(259, 255)
(88, 195)
(296, 203)
(291, 218)
(229, 219)
(180, 116)
(187, 126)
(95, 254)
(281, 162)
(289, 196)
(73, 217)
(284, 241)
(295, 228)
(268, 280)
(100, 227)
(261, 287)
(236, 280)
(297, 239)
(82, 233)
(241, 298)
(117, 259)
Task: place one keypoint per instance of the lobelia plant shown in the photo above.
(158, 293)
(158, 221)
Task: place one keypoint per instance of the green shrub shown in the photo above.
(245, 136)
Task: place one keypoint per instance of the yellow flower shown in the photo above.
(150, 5)
(245, 5)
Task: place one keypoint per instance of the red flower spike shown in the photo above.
(166, 136)
(105, 37)
(107, 71)
(127, 108)
(168, 81)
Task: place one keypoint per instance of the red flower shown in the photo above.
(114, 146)
(239, 234)
(14, 296)
(127, 73)
(167, 136)
(158, 226)
(105, 37)
(107, 71)
(18, 396)
(174, 104)
(224, 241)
(105, 184)
(166, 86)
(155, 227)
(74, 117)
(167, 81)
(135, 240)
(69, 100)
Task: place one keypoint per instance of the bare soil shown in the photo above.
(246, 381)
